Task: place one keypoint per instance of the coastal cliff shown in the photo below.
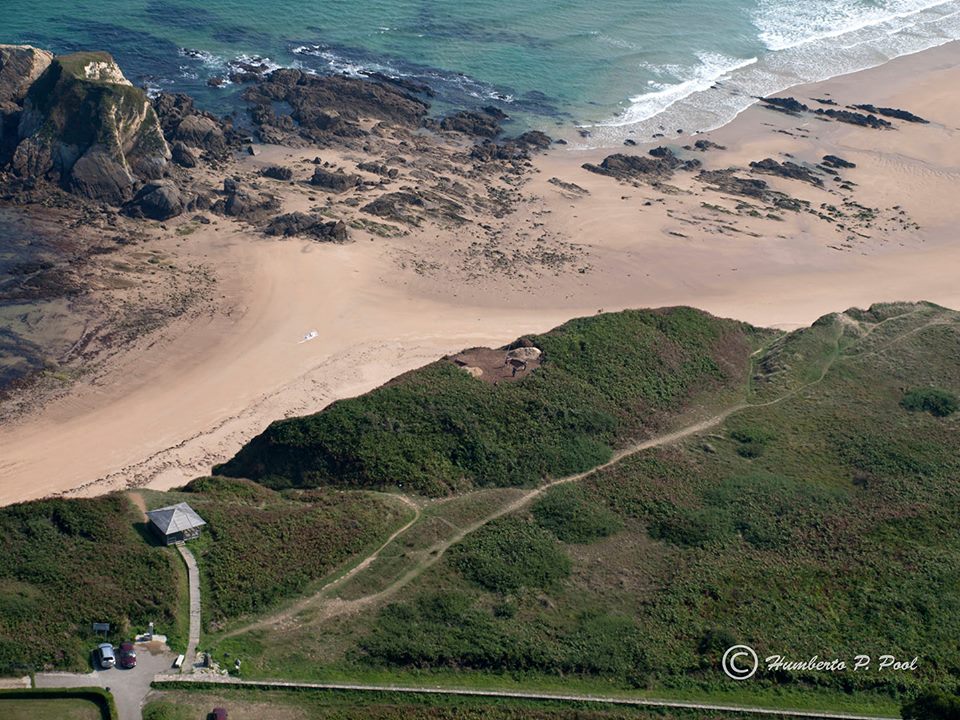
(78, 123)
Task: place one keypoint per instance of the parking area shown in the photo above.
(128, 686)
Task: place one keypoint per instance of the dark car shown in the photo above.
(128, 655)
(218, 714)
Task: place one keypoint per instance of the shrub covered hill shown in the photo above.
(604, 381)
(817, 519)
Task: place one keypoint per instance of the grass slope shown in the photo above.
(604, 381)
(65, 564)
(261, 546)
(819, 521)
(824, 524)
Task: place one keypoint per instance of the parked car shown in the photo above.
(128, 655)
(218, 714)
(105, 657)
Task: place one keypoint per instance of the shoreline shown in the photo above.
(176, 404)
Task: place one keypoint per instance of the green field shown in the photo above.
(819, 518)
(40, 709)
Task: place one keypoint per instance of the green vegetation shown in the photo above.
(195, 699)
(509, 554)
(568, 513)
(90, 703)
(166, 710)
(938, 403)
(261, 546)
(605, 380)
(65, 564)
(820, 520)
(933, 705)
(83, 111)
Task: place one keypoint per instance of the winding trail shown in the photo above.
(330, 607)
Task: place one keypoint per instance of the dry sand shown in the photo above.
(190, 396)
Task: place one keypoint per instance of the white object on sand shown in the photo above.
(309, 336)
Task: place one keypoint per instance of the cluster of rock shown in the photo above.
(789, 170)
(326, 106)
(660, 165)
(316, 226)
(868, 118)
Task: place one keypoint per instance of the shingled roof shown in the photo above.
(175, 518)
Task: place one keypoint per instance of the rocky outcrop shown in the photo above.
(20, 66)
(160, 200)
(518, 148)
(199, 131)
(84, 126)
(837, 163)
(854, 118)
(896, 113)
(484, 123)
(789, 170)
(659, 166)
(245, 204)
(277, 172)
(788, 105)
(325, 106)
(726, 181)
(337, 182)
(316, 226)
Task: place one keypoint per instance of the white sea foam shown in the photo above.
(713, 68)
(810, 41)
(784, 25)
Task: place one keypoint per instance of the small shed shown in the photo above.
(176, 523)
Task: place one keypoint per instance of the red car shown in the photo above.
(128, 655)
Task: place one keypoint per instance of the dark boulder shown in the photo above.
(469, 122)
(317, 226)
(334, 181)
(893, 113)
(201, 131)
(660, 166)
(160, 200)
(183, 155)
(789, 170)
(788, 105)
(833, 161)
(855, 118)
(99, 176)
(277, 172)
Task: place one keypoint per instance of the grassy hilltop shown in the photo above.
(605, 381)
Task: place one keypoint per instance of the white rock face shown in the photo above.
(105, 72)
(525, 353)
(20, 66)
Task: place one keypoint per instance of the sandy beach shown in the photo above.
(190, 395)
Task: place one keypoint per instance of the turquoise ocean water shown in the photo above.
(621, 67)
(618, 65)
